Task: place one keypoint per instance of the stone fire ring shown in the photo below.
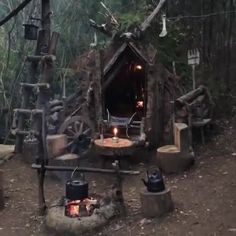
(57, 221)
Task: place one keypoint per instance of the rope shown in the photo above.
(201, 16)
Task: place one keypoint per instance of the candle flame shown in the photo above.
(115, 131)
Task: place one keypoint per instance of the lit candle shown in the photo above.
(115, 138)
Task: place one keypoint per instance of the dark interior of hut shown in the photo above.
(125, 94)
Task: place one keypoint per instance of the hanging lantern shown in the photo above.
(31, 31)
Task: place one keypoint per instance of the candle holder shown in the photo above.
(102, 138)
(115, 139)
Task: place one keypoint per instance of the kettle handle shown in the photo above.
(76, 169)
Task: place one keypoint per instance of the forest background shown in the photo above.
(207, 25)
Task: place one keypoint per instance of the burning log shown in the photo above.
(80, 208)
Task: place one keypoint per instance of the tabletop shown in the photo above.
(109, 146)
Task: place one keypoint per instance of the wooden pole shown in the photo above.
(193, 77)
(86, 169)
(150, 18)
(46, 23)
(1, 190)
(15, 12)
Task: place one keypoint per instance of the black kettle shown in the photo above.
(76, 188)
(155, 182)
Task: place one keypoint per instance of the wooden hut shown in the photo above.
(128, 87)
(127, 83)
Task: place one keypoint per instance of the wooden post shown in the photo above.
(48, 46)
(46, 23)
(1, 190)
(41, 198)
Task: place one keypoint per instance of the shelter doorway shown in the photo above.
(125, 94)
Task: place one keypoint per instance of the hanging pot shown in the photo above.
(31, 31)
(76, 188)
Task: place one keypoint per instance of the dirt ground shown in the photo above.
(204, 196)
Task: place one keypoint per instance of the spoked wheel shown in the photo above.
(79, 132)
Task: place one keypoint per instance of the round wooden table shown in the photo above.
(110, 149)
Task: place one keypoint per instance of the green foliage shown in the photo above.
(127, 20)
(71, 19)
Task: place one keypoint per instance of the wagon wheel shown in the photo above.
(79, 132)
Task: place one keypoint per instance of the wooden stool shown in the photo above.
(176, 158)
(156, 204)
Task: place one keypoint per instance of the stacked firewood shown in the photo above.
(196, 103)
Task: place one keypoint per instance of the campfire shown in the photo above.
(80, 208)
(79, 216)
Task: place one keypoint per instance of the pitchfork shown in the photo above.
(193, 60)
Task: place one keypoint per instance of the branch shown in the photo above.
(148, 21)
(15, 12)
(101, 28)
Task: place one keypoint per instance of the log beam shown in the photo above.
(41, 58)
(86, 169)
